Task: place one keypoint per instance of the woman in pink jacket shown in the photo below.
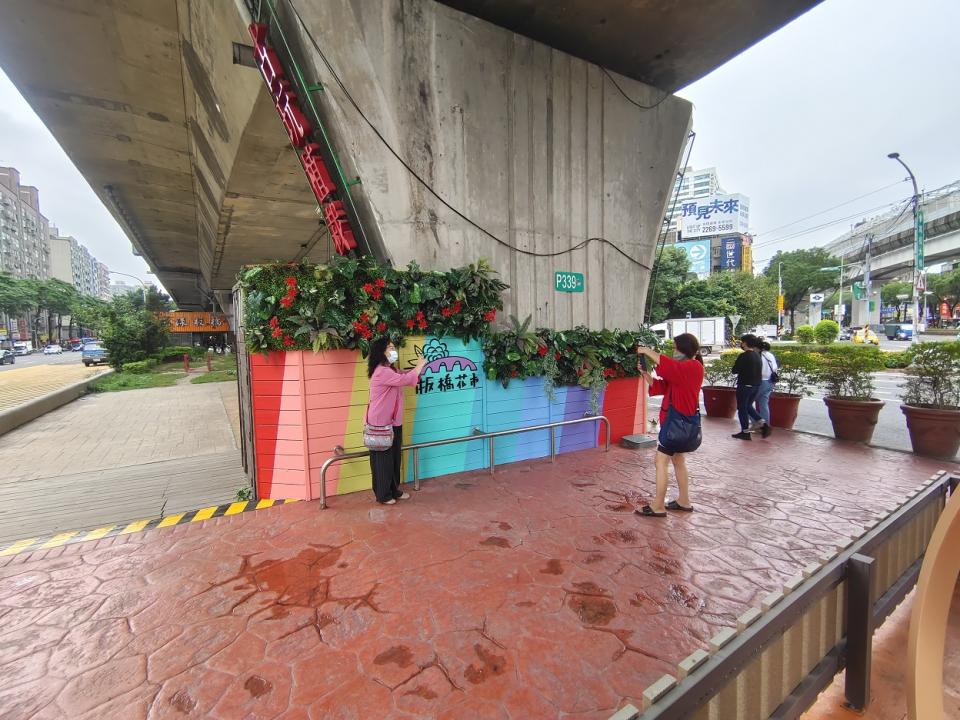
(386, 408)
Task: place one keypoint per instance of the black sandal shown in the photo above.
(674, 505)
(647, 511)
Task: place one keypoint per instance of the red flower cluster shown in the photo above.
(490, 315)
(287, 300)
(556, 355)
(421, 321)
(542, 351)
(287, 341)
(381, 327)
(275, 325)
(375, 289)
(362, 329)
(614, 372)
(446, 312)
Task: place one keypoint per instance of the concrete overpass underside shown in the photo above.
(513, 123)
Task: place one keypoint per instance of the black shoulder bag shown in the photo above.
(680, 433)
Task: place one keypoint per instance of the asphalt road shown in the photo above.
(38, 358)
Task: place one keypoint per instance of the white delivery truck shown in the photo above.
(711, 332)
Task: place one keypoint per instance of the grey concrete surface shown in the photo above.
(34, 359)
(121, 456)
(537, 146)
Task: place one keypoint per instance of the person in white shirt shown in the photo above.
(768, 368)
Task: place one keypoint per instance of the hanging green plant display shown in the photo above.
(349, 302)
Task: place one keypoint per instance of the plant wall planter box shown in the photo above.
(305, 404)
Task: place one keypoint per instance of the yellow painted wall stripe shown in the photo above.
(170, 520)
(98, 533)
(135, 526)
(237, 507)
(265, 503)
(18, 546)
(204, 514)
(58, 540)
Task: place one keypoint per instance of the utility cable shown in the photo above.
(630, 99)
(425, 184)
(822, 212)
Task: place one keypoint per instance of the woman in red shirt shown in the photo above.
(679, 381)
(386, 408)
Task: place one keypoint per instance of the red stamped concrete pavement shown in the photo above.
(536, 593)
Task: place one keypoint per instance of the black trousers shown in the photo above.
(746, 395)
(385, 468)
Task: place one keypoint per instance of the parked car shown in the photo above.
(7, 357)
(75, 347)
(94, 354)
(53, 350)
(22, 347)
(846, 334)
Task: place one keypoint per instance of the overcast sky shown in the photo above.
(799, 123)
(804, 120)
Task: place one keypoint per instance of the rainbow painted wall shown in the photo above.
(305, 404)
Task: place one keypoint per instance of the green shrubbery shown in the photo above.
(806, 334)
(140, 366)
(826, 331)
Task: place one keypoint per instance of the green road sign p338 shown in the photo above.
(568, 281)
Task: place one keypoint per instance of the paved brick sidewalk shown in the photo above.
(21, 385)
(534, 593)
(120, 456)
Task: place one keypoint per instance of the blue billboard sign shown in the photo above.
(730, 254)
(698, 253)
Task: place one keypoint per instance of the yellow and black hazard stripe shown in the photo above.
(78, 536)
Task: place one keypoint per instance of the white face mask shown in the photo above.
(392, 356)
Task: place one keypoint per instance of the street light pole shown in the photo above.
(917, 248)
(779, 299)
(143, 286)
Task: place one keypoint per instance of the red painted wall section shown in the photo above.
(278, 425)
(624, 404)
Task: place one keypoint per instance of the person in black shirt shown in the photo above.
(749, 371)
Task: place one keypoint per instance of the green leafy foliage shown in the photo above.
(349, 302)
(797, 371)
(588, 358)
(806, 334)
(670, 271)
(826, 332)
(140, 366)
(130, 334)
(801, 273)
(898, 360)
(934, 376)
(719, 372)
(846, 372)
(116, 382)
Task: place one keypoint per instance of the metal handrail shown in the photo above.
(415, 448)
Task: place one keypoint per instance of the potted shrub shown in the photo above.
(931, 401)
(847, 376)
(796, 371)
(719, 395)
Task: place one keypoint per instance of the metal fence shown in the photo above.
(339, 455)
(787, 651)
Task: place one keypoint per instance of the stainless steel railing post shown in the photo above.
(553, 444)
(493, 460)
(416, 468)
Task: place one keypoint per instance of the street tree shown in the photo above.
(129, 333)
(670, 272)
(87, 313)
(946, 289)
(889, 295)
(16, 296)
(802, 274)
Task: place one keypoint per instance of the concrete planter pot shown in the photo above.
(853, 420)
(783, 410)
(933, 431)
(720, 401)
